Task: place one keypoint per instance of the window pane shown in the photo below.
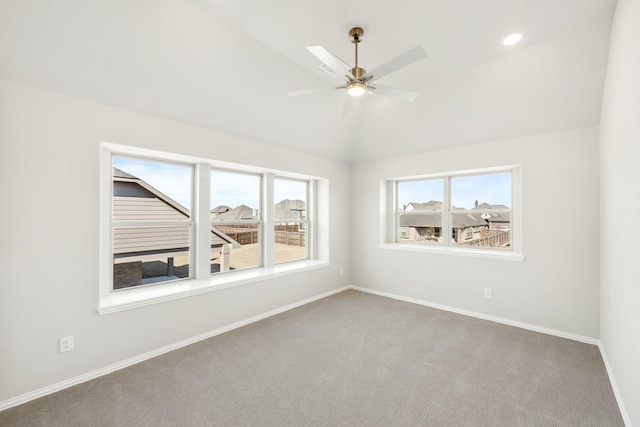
(420, 227)
(420, 211)
(484, 231)
(234, 196)
(481, 192)
(234, 247)
(290, 242)
(481, 214)
(145, 255)
(420, 195)
(290, 237)
(290, 197)
(146, 190)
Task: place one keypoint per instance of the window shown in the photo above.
(481, 210)
(235, 221)
(151, 223)
(174, 224)
(290, 220)
(419, 210)
(466, 211)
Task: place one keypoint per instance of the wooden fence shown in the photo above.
(294, 238)
(495, 239)
(243, 234)
(248, 234)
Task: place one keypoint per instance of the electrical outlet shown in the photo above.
(341, 271)
(66, 344)
(487, 292)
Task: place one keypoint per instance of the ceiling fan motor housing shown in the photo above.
(358, 72)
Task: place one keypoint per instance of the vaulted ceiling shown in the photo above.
(228, 64)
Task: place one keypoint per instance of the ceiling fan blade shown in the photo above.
(339, 67)
(312, 91)
(407, 58)
(405, 95)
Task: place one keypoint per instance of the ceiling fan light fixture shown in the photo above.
(512, 39)
(356, 88)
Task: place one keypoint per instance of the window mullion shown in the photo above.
(268, 214)
(106, 227)
(202, 219)
(446, 211)
(310, 221)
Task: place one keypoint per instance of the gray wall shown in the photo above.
(555, 287)
(49, 230)
(620, 207)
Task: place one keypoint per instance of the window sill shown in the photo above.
(472, 253)
(148, 295)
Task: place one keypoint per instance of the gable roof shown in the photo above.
(431, 205)
(290, 209)
(239, 213)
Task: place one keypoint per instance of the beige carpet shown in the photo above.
(352, 359)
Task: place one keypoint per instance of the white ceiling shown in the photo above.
(227, 65)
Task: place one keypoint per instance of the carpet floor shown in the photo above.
(352, 359)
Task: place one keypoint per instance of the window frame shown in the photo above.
(390, 224)
(201, 279)
(306, 221)
(259, 221)
(151, 223)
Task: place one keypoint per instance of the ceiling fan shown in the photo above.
(358, 80)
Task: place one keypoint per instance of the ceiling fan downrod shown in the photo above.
(355, 35)
(357, 86)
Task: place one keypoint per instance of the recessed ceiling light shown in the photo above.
(512, 39)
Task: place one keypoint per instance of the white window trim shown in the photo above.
(202, 281)
(388, 217)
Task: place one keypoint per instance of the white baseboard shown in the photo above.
(24, 398)
(483, 316)
(614, 386)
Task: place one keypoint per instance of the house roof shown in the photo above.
(420, 219)
(239, 213)
(415, 215)
(290, 209)
(219, 210)
(487, 206)
(431, 205)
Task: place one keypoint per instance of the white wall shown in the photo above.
(49, 229)
(620, 206)
(555, 287)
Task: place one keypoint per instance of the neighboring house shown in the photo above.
(134, 199)
(416, 223)
(219, 210)
(239, 213)
(286, 209)
(290, 209)
(237, 222)
(497, 221)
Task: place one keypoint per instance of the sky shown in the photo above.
(494, 189)
(174, 180)
(227, 188)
